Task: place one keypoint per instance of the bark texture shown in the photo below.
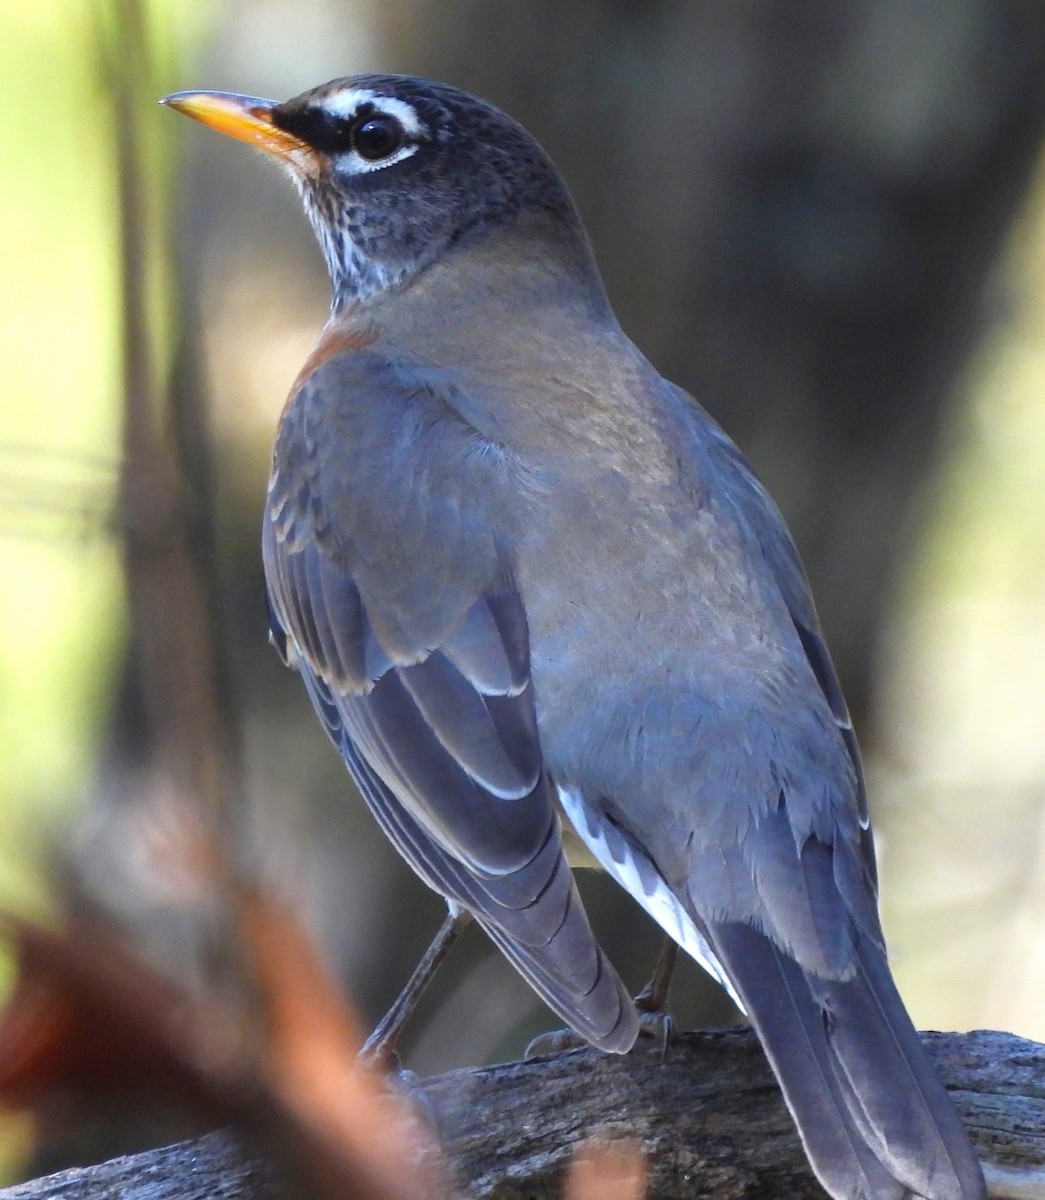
(708, 1116)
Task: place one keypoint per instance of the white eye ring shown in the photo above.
(347, 104)
(351, 162)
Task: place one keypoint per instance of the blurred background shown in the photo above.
(826, 221)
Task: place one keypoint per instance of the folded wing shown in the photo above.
(437, 728)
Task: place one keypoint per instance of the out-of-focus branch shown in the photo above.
(164, 508)
(709, 1119)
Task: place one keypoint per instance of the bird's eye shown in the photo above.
(376, 137)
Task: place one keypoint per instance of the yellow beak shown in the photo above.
(246, 118)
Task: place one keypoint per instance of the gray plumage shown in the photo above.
(515, 564)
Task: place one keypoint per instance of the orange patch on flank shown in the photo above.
(333, 342)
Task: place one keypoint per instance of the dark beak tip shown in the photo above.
(173, 100)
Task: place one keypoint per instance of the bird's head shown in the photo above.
(396, 173)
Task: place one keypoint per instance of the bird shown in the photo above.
(526, 580)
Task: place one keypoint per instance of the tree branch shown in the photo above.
(709, 1118)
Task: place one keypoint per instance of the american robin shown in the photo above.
(518, 570)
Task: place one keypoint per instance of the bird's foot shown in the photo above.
(402, 1084)
(555, 1041)
(652, 1002)
(656, 1023)
(381, 1056)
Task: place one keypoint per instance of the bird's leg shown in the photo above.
(380, 1046)
(652, 1001)
(654, 996)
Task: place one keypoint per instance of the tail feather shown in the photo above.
(906, 1112)
(875, 1120)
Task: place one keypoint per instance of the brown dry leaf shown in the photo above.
(84, 1015)
(276, 1054)
(607, 1170)
(312, 1068)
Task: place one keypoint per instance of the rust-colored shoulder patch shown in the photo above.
(334, 341)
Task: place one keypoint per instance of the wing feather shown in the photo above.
(762, 517)
(419, 669)
(534, 915)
